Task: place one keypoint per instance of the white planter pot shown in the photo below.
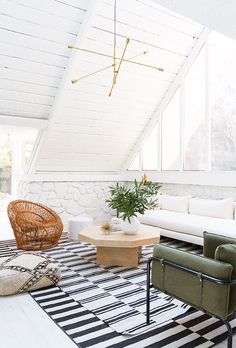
(116, 224)
(131, 227)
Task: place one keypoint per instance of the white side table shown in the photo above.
(75, 225)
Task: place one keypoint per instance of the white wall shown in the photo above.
(73, 198)
(70, 199)
(201, 191)
(202, 178)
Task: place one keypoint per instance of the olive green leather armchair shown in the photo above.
(207, 283)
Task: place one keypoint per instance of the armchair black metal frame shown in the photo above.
(201, 276)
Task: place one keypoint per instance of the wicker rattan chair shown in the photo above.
(35, 226)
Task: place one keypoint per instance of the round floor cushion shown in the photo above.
(26, 272)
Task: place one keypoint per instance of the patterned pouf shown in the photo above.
(26, 272)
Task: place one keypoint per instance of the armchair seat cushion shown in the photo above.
(26, 272)
(188, 223)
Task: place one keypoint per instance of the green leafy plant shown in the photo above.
(130, 201)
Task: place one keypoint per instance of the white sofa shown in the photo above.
(186, 218)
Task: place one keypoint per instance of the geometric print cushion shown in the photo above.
(26, 272)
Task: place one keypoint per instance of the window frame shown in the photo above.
(206, 108)
(157, 143)
(181, 87)
(180, 127)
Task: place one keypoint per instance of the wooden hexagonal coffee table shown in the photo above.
(117, 248)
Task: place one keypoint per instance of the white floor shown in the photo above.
(24, 324)
(5, 227)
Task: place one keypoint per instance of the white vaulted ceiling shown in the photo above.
(34, 35)
(218, 15)
(88, 130)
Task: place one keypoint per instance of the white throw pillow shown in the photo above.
(174, 203)
(222, 208)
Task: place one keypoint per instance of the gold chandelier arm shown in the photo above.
(117, 72)
(117, 58)
(105, 68)
(93, 73)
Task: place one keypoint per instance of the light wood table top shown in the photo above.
(94, 235)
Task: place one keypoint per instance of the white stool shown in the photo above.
(77, 224)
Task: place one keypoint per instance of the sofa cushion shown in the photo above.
(174, 203)
(188, 224)
(222, 208)
(26, 272)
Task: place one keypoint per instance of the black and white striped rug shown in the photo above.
(104, 306)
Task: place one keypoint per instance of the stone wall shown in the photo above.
(70, 199)
(201, 191)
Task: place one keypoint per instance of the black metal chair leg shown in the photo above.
(230, 334)
(148, 293)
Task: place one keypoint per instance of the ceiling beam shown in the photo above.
(167, 96)
(23, 121)
(84, 177)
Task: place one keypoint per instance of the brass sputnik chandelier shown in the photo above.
(117, 61)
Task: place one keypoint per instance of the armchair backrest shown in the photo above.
(222, 249)
(212, 241)
(31, 211)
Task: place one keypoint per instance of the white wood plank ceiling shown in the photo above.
(218, 15)
(88, 131)
(33, 52)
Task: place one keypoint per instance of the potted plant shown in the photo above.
(130, 201)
